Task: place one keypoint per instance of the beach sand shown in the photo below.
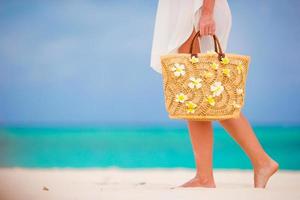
(131, 184)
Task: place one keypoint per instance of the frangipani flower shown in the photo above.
(208, 74)
(225, 60)
(194, 60)
(239, 68)
(210, 99)
(226, 71)
(214, 65)
(235, 105)
(181, 98)
(178, 69)
(239, 91)
(195, 83)
(217, 88)
(190, 107)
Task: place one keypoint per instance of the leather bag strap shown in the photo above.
(217, 46)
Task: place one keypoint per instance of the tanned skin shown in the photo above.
(201, 132)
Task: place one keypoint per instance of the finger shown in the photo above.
(206, 30)
(210, 30)
(213, 29)
(201, 30)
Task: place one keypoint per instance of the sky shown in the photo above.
(88, 62)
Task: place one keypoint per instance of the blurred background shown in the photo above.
(77, 90)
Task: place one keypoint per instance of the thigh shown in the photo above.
(185, 47)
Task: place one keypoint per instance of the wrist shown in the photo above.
(206, 13)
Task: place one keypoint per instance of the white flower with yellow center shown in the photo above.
(195, 83)
(190, 107)
(235, 105)
(214, 66)
(178, 69)
(239, 91)
(208, 74)
(225, 61)
(239, 68)
(217, 88)
(194, 60)
(181, 98)
(210, 99)
(226, 72)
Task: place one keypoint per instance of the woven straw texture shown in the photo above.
(204, 88)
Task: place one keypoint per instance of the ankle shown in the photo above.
(205, 179)
(266, 163)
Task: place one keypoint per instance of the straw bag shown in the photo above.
(204, 86)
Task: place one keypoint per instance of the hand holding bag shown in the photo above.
(204, 86)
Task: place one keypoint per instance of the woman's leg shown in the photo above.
(241, 130)
(201, 135)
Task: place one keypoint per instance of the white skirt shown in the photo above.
(175, 20)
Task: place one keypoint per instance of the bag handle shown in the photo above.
(217, 46)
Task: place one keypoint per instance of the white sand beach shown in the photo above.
(131, 184)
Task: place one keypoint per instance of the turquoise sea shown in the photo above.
(135, 147)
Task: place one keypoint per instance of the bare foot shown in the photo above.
(262, 174)
(199, 182)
